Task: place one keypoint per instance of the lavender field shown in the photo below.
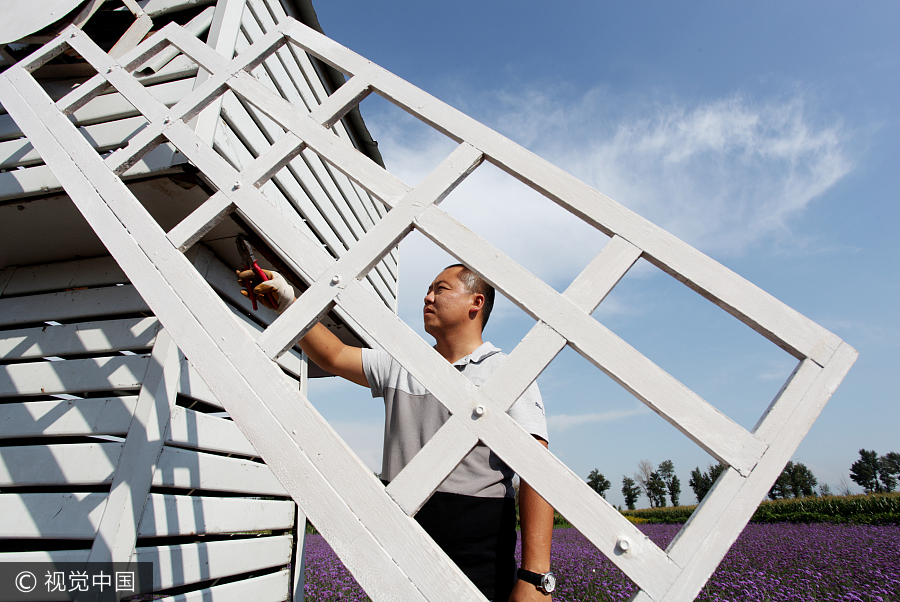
(769, 562)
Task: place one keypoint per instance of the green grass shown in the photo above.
(878, 508)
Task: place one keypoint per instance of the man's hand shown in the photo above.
(526, 592)
(276, 285)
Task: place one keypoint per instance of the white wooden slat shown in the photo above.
(124, 83)
(282, 236)
(353, 163)
(297, 181)
(405, 544)
(190, 384)
(70, 464)
(430, 466)
(421, 477)
(196, 26)
(157, 8)
(267, 588)
(132, 36)
(50, 515)
(73, 376)
(180, 71)
(71, 305)
(45, 556)
(198, 224)
(39, 180)
(222, 279)
(272, 73)
(222, 35)
(84, 337)
(290, 361)
(412, 487)
(298, 579)
(102, 136)
(100, 271)
(189, 469)
(760, 311)
(282, 151)
(305, 181)
(305, 81)
(170, 515)
(292, 324)
(645, 563)
(117, 531)
(708, 514)
(184, 564)
(70, 417)
(296, 187)
(177, 565)
(693, 416)
(196, 430)
(340, 211)
(785, 437)
(345, 98)
(303, 77)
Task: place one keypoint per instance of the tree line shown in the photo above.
(874, 473)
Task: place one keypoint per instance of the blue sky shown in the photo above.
(765, 134)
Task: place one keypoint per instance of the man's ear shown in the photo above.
(477, 305)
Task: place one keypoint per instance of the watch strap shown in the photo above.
(538, 580)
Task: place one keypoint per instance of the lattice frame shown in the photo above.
(370, 526)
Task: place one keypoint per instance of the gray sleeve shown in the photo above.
(377, 367)
(528, 411)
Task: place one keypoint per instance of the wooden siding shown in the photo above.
(171, 471)
(314, 195)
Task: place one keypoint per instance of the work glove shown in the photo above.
(276, 284)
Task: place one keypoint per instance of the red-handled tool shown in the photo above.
(248, 259)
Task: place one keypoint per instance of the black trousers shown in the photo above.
(479, 535)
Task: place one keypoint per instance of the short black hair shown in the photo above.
(475, 284)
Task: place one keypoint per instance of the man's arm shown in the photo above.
(536, 520)
(329, 353)
(320, 344)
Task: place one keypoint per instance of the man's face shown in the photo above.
(448, 304)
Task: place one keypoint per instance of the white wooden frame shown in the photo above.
(370, 526)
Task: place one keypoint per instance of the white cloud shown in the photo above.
(561, 422)
(723, 175)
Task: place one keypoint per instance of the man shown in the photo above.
(472, 514)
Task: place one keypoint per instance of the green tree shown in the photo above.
(598, 483)
(889, 469)
(803, 482)
(781, 488)
(702, 482)
(674, 487)
(892, 462)
(656, 490)
(630, 491)
(872, 473)
(796, 480)
(666, 472)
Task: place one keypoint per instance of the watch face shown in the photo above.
(548, 583)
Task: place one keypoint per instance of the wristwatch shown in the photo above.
(545, 582)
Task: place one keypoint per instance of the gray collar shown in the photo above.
(483, 351)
